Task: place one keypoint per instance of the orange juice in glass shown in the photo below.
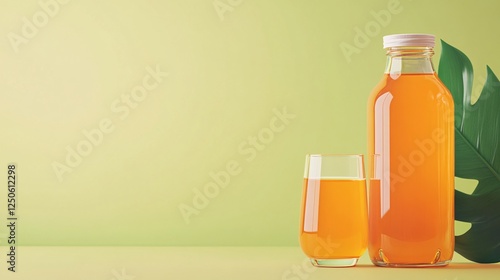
(334, 222)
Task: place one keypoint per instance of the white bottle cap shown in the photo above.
(409, 40)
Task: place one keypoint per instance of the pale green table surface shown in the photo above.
(178, 263)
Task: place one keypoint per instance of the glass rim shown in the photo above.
(345, 166)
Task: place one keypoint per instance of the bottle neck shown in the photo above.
(409, 60)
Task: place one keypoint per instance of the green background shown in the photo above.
(229, 71)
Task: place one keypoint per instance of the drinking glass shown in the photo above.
(334, 222)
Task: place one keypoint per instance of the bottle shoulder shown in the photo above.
(411, 85)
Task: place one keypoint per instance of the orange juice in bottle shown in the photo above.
(411, 143)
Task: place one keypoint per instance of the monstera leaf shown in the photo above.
(477, 156)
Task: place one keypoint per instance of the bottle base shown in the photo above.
(384, 261)
(384, 264)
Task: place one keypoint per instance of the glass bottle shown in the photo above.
(411, 143)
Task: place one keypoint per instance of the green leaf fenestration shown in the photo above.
(477, 155)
